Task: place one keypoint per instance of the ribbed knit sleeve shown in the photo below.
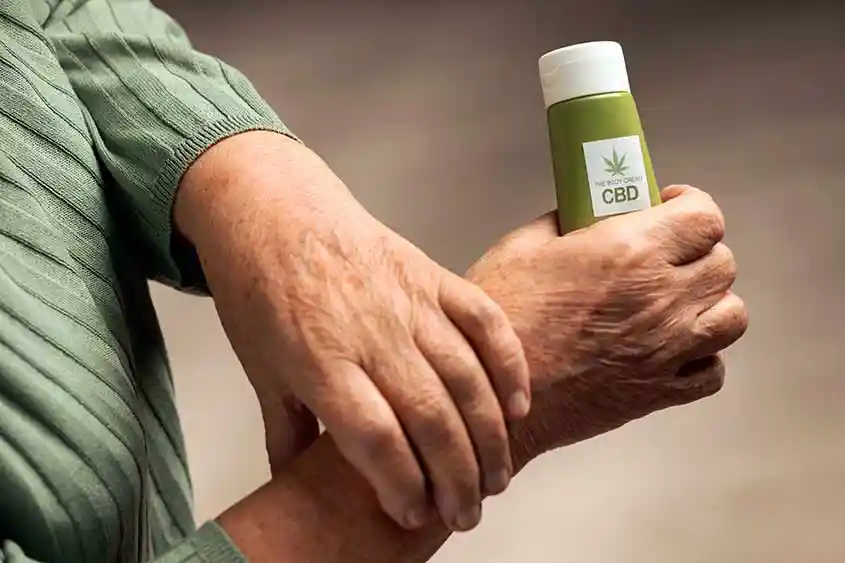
(208, 545)
(154, 104)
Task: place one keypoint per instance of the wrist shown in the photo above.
(531, 436)
(228, 185)
(321, 510)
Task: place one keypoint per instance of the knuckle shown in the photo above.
(726, 255)
(488, 316)
(629, 251)
(466, 485)
(488, 423)
(512, 355)
(469, 488)
(434, 429)
(711, 335)
(727, 262)
(738, 317)
(465, 384)
(378, 436)
(726, 327)
(412, 492)
(494, 436)
(707, 218)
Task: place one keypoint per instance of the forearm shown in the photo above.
(322, 511)
(251, 171)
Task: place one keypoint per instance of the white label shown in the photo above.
(616, 172)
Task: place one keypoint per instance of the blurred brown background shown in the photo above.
(432, 114)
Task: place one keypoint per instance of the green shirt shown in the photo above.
(103, 106)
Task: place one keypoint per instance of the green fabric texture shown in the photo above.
(104, 105)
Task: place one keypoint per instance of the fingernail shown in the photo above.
(497, 481)
(414, 519)
(468, 519)
(518, 404)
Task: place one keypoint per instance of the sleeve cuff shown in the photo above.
(212, 545)
(182, 267)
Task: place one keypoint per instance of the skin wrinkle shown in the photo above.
(580, 398)
(365, 298)
(606, 329)
(328, 260)
(331, 290)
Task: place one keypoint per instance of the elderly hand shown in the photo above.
(412, 369)
(618, 320)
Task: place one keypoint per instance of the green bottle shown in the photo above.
(599, 154)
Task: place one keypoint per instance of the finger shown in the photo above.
(698, 379)
(489, 331)
(686, 227)
(539, 231)
(524, 239)
(676, 190)
(710, 277)
(464, 377)
(720, 326)
(438, 433)
(290, 428)
(370, 436)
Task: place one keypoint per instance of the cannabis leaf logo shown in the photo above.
(616, 166)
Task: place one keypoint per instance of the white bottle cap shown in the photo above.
(585, 69)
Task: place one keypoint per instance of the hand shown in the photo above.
(618, 320)
(651, 287)
(408, 366)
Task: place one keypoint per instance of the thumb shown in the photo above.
(677, 190)
(526, 238)
(289, 427)
(539, 231)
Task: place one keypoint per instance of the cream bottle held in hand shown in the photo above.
(599, 155)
